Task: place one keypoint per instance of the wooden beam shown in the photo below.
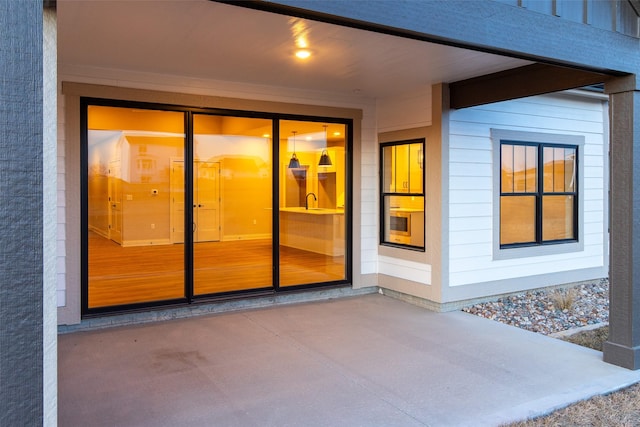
(529, 80)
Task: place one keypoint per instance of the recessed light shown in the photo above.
(303, 53)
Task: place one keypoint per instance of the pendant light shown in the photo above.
(294, 163)
(325, 160)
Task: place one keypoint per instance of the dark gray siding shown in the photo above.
(21, 286)
(620, 16)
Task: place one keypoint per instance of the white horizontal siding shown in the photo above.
(471, 180)
(403, 269)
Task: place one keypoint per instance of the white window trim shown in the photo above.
(498, 135)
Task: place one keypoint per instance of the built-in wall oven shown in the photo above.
(400, 227)
(406, 226)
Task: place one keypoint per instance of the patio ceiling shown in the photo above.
(209, 40)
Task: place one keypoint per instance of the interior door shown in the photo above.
(177, 201)
(206, 201)
(115, 201)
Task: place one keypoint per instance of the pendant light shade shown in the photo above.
(294, 163)
(325, 160)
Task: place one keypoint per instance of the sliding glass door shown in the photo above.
(232, 204)
(181, 205)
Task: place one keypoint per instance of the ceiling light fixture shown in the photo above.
(303, 53)
(294, 163)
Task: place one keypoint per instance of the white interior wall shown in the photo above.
(368, 150)
(471, 198)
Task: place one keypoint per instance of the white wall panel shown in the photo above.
(471, 180)
(405, 111)
(403, 269)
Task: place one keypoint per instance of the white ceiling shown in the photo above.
(204, 39)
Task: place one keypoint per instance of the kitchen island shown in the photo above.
(316, 230)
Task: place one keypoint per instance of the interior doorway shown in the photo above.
(206, 201)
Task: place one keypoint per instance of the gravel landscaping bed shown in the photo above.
(551, 311)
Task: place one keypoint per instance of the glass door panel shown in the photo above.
(232, 204)
(133, 256)
(312, 202)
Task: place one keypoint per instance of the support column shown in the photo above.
(21, 213)
(623, 346)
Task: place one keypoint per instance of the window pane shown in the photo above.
(404, 220)
(416, 162)
(507, 168)
(312, 203)
(519, 169)
(388, 183)
(400, 168)
(557, 217)
(570, 169)
(531, 169)
(558, 170)
(132, 189)
(517, 219)
(548, 160)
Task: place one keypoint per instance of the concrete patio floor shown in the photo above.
(367, 360)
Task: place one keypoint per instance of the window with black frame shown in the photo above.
(538, 193)
(402, 199)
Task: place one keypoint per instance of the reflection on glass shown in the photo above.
(519, 168)
(129, 191)
(312, 203)
(557, 216)
(559, 169)
(517, 219)
(232, 213)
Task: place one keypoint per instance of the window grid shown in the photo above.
(550, 189)
(402, 199)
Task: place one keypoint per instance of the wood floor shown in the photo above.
(129, 275)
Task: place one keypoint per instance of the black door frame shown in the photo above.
(189, 297)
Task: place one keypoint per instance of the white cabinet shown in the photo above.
(403, 167)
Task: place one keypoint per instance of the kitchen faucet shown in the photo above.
(306, 200)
